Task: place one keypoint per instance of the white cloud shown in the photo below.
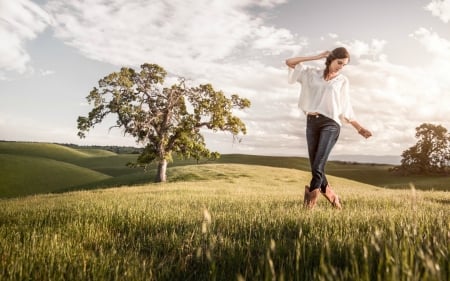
(439, 49)
(363, 50)
(20, 22)
(436, 45)
(26, 128)
(267, 3)
(222, 44)
(394, 99)
(440, 8)
(275, 41)
(47, 72)
(181, 36)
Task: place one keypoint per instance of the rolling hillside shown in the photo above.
(32, 168)
(48, 150)
(25, 175)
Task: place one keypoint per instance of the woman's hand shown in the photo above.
(361, 130)
(364, 132)
(323, 55)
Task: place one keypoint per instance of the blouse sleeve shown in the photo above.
(294, 74)
(347, 115)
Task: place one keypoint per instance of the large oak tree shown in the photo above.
(166, 120)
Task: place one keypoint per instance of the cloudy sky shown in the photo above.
(53, 52)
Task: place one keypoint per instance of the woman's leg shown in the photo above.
(322, 134)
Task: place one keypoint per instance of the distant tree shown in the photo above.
(431, 153)
(166, 120)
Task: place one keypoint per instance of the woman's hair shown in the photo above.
(338, 53)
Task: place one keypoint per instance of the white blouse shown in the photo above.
(329, 98)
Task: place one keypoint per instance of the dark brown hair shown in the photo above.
(338, 53)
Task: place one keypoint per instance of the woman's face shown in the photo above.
(337, 64)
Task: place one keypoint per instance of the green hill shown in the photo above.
(31, 168)
(24, 175)
(46, 150)
(95, 152)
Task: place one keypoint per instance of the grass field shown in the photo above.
(226, 222)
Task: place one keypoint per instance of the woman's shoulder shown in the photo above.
(344, 78)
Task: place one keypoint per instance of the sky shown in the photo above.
(53, 52)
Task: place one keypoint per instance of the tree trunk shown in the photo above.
(161, 173)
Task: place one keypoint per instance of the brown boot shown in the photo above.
(332, 197)
(310, 197)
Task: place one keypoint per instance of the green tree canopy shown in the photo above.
(165, 119)
(431, 153)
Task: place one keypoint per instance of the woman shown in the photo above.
(325, 100)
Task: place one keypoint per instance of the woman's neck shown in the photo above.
(331, 75)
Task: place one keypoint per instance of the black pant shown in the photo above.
(322, 134)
